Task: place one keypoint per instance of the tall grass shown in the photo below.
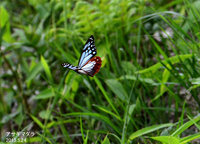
(147, 90)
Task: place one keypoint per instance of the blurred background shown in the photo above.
(147, 90)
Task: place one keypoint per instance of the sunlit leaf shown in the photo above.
(173, 60)
(4, 22)
(147, 130)
(167, 139)
(46, 69)
(105, 141)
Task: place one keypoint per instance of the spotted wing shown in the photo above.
(88, 52)
(92, 66)
(69, 66)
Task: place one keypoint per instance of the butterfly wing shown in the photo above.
(89, 64)
(92, 66)
(88, 52)
(69, 66)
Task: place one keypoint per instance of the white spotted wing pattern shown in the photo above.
(89, 64)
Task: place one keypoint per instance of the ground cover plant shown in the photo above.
(147, 90)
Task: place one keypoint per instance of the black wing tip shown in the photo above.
(64, 64)
(92, 37)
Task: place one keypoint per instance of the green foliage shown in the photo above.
(147, 130)
(147, 90)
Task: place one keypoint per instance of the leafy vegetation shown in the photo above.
(147, 90)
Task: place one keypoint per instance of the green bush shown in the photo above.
(147, 90)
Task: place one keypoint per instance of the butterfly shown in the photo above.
(89, 64)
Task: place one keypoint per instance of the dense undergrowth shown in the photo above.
(147, 90)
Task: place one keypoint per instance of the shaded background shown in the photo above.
(147, 89)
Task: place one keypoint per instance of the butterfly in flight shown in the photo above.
(89, 64)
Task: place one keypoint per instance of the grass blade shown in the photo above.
(147, 130)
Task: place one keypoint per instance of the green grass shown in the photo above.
(147, 90)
